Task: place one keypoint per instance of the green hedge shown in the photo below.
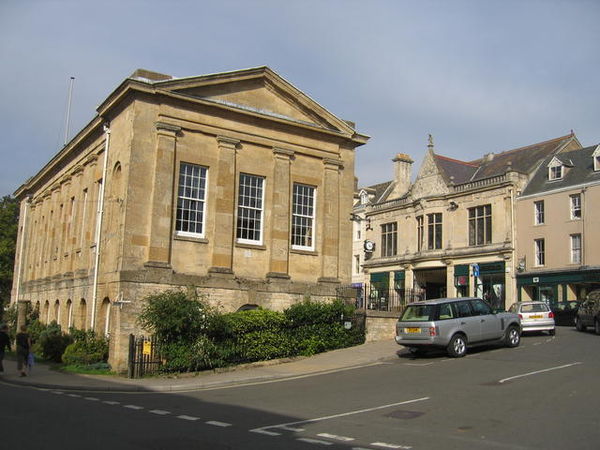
(194, 337)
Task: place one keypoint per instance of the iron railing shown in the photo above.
(144, 356)
(372, 297)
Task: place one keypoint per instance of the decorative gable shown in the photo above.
(429, 180)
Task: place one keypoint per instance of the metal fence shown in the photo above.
(144, 356)
(371, 297)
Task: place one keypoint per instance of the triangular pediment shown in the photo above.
(429, 180)
(258, 91)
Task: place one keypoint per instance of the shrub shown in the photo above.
(52, 342)
(86, 349)
(175, 316)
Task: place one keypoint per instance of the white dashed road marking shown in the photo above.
(218, 424)
(74, 395)
(385, 445)
(159, 412)
(112, 403)
(190, 418)
(133, 407)
(92, 399)
(268, 433)
(314, 441)
(335, 437)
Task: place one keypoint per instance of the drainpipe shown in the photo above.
(100, 215)
(583, 211)
(513, 238)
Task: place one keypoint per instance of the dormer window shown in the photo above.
(555, 170)
(364, 198)
(596, 156)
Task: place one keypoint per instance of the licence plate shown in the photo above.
(412, 330)
(537, 316)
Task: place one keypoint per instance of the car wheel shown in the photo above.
(597, 326)
(513, 337)
(580, 326)
(457, 347)
(552, 332)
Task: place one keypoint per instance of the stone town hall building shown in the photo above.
(236, 183)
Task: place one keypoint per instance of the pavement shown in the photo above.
(43, 376)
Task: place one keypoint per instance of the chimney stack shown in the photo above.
(402, 174)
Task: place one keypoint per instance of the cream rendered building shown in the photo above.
(559, 229)
(453, 231)
(236, 183)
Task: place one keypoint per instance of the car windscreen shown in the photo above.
(418, 313)
(533, 308)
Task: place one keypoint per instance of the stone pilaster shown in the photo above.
(223, 234)
(280, 220)
(159, 245)
(331, 220)
(450, 288)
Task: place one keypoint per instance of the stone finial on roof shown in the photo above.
(430, 142)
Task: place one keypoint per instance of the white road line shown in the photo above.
(74, 395)
(335, 437)
(190, 418)
(335, 416)
(268, 433)
(92, 399)
(314, 441)
(159, 412)
(58, 392)
(133, 407)
(539, 371)
(418, 365)
(218, 424)
(110, 402)
(385, 445)
(293, 430)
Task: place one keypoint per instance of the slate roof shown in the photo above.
(378, 191)
(579, 170)
(523, 159)
(455, 170)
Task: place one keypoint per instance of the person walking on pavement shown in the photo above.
(4, 344)
(23, 349)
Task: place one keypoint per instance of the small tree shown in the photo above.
(175, 316)
(9, 223)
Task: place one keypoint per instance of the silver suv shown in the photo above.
(455, 324)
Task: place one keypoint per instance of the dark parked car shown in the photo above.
(564, 312)
(588, 314)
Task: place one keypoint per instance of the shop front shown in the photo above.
(557, 287)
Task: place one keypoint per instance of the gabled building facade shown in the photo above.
(559, 229)
(235, 183)
(453, 231)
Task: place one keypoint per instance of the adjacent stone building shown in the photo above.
(559, 229)
(235, 183)
(451, 232)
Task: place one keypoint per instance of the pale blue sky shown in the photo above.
(479, 75)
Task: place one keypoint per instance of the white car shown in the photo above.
(535, 316)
